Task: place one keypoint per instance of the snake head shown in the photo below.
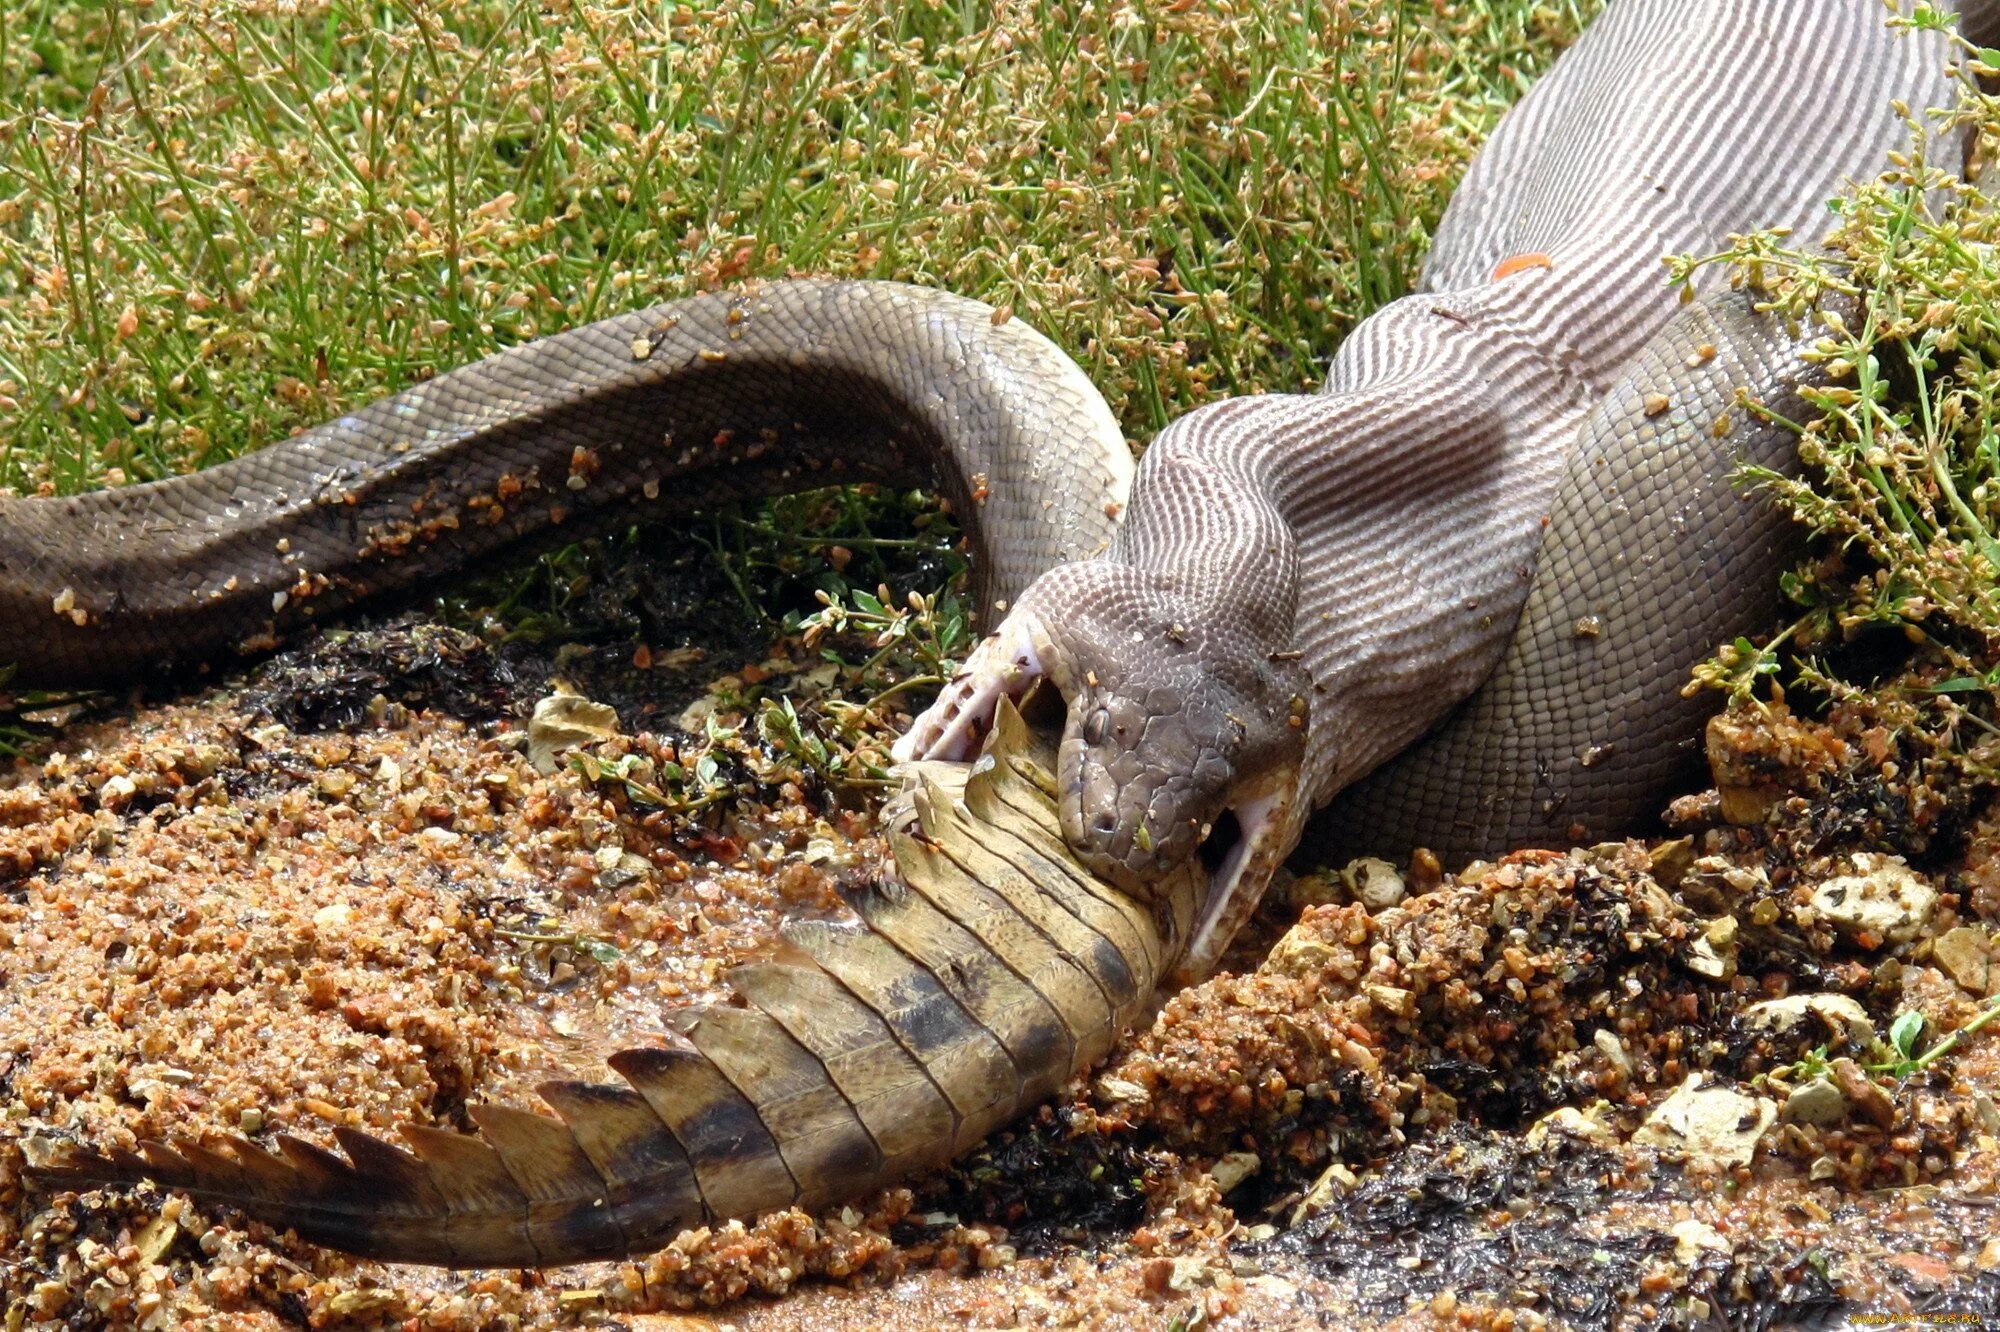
(1184, 733)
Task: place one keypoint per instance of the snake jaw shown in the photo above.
(1268, 822)
(1158, 750)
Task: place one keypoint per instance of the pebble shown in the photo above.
(1376, 884)
(1571, 1122)
(1966, 956)
(1882, 899)
(1844, 1019)
(1333, 1181)
(1713, 954)
(1301, 952)
(1120, 1091)
(1865, 1096)
(1817, 1102)
(1233, 1168)
(334, 916)
(1710, 1122)
(1692, 1236)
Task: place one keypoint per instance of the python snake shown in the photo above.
(1448, 601)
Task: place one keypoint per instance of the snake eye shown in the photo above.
(1094, 724)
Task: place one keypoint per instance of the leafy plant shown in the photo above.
(1809, 1066)
(1901, 449)
(922, 640)
(684, 785)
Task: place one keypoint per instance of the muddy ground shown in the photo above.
(1663, 1083)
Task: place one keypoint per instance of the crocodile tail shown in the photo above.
(980, 977)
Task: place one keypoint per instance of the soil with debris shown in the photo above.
(1706, 1079)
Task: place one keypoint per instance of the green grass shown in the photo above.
(224, 221)
(229, 219)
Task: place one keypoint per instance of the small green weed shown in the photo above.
(1904, 1059)
(1902, 450)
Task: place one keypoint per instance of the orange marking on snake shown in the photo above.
(1521, 263)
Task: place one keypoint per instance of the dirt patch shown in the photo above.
(338, 892)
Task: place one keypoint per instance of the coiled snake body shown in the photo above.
(1512, 490)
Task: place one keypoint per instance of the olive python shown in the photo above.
(1446, 601)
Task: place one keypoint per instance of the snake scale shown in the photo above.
(1446, 601)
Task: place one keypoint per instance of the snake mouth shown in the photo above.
(1242, 852)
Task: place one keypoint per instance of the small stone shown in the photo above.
(1966, 956)
(1882, 900)
(1613, 1050)
(1708, 1122)
(1723, 885)
(1232, 1169)
(368, 1300)
(1571, 1122)
(1392, 999)
(1714, 954)
(1843, 1019)
(1299, 953)
(48, 1297)
(1864, 1095)
(40, 1149)
(1376, 884)
(1121, 1091)
(624, 871)
(1333, 1181)
(155, 1239)
(1746, 806)
(1817, 1102)
(1692, 1236)
(333, 916)
(1670, 861)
